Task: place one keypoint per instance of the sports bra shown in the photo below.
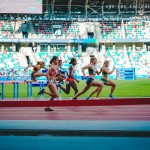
(104, 74)
(53, 72)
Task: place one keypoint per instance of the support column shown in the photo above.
(144, 47)
(103, 47)
(38, 47)
(86, 4)
(124, 47)
(14, 47)
(119, 6)
(2, 47)
(114, 47)
(48, 48)
(79, 48)
(69, 48)
(52, 4)
(69, 7)
(133, 47)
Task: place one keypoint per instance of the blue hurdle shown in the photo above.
(16, 89)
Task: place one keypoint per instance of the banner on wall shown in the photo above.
(23, 40)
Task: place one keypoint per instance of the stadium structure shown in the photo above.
(116, 30)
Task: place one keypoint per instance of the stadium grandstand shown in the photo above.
(74, 74)
(117, 30)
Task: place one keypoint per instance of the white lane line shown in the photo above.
(52, 115)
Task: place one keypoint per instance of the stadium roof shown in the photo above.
(99, 2)
(97, 7)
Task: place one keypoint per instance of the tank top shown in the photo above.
(92, 71)
(73, 70)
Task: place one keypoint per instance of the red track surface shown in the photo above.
(109, 110)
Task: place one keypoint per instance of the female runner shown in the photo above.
(105, 80)
(51, 77)
(70, 80)
(90, 81)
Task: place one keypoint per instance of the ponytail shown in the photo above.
(72, 60)
(38, 63)
(52, 60)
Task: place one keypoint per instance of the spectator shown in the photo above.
(24, 29)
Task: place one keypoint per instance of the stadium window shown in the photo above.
(74, 47)
(60, 48)
(52, 48)
(44, 47)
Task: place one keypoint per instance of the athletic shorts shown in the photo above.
(69, 79)
(104, 80)
(89, 80)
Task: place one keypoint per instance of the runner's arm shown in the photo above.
(85, 67)
(109, 72)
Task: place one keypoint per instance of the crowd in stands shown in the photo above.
(136, 29)
(68, 29)
(111, 30)
(131, 29)
(108, 29)
(6, 29)
(119, 59)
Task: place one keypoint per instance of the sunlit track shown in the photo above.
(119, 109)
(123, 112)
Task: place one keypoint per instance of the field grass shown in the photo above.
(133, 88)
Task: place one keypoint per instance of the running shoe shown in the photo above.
(87, 98)
(48, 109)
(111, 96)
(41, 92)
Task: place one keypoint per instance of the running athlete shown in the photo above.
(51, 77)
(105, 80)
(61, 74)
(70, 80)
(90, 81)
(35, 70)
